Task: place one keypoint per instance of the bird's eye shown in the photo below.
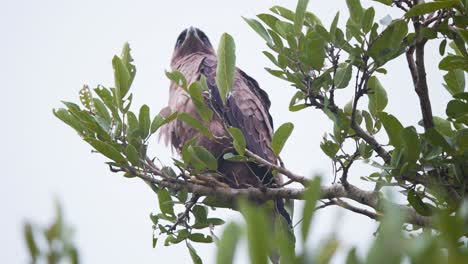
(181, 38)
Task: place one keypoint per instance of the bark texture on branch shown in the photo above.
(368, 198)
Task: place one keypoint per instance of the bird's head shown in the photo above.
(191, 40)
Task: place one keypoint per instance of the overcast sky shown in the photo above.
(52, 48)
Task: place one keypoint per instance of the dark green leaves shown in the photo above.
(299, 16)
(195, 123)
(257, 233)
(281, 136)
(178, 78)
(238, 140)
(203, 158)
(106, 149)
(258, 27)
(144, 121)
(226, 65)
(311, 195)
(193, 254)
(416, 202)
(453, 62)
(196, 93)
(368, 20)
(355, 10)
(343, 75)
(159, 121)
(455, 81)
(31, 242)
(393, 128)
(388, 44)
(315, 51)
(377, 96)
(329, 148)
(121, 78)
(228, 243)
(132, 155)
(166, 205)
(430, 7)
(411, 145)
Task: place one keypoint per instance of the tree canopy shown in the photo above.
(427, 162)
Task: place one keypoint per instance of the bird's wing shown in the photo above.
(246, 108)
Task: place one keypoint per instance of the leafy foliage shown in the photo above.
(51, 244)
(426, 162)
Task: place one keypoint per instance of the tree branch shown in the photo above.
(369, 198)
(297, 178)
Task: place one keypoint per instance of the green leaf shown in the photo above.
(31, 242)
(369, 121)
(456, 108)
(442, 46)
(311, 195)
(416, 202)
(144, 121)
(455, 81)
(132, 155)
(388, 246)
(215, 221)
(101, 110)
(299, 16)
(132, 122)
(281, 136)
(368, 20)
(228, 243)
(443, 126)
(389, 43)
(69, 119)
(238, 140)
(355, 10)
(205, 157)
(343, 75)
(293, 106)
(257, 232)
(196, 93)
(193, 254)
(159, 121)
(393, 128)
(315, 50)
(178, 78)
(453, 62)
(333, 26)
(226, 65)
(195, 123)
(121, 79)
(106, 149)
(329, 148)
(429, 7)
(436, 139)
(377, 96)
(200, 238)
(166, 205)
(411, 145)
(461, 140)
(258, 27)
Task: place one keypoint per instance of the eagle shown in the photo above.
(246, 108)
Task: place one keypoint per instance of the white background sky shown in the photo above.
(53, 47)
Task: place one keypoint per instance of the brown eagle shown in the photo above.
(247, 108)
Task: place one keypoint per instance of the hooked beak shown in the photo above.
(191, 36)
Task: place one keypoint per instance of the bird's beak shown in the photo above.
(191, 36)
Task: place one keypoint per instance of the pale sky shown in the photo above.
(52, 48)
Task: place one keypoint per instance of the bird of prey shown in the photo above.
(247, 108)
